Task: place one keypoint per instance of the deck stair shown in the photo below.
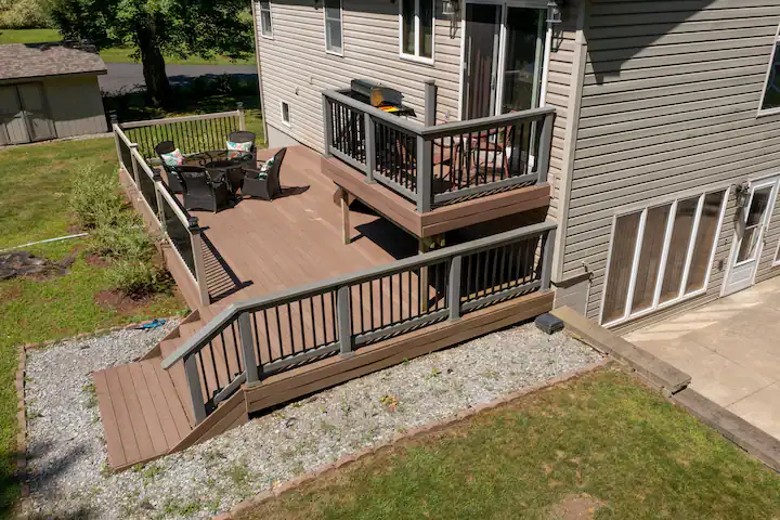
(225, 362)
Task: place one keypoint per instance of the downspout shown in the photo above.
(259, 72)
(570, 140)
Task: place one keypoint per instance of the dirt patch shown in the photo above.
(96, 260)
(22, 263)
(576, 507)
(10, 293)
(121, 302)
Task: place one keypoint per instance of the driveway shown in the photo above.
(129, 76)
(731, 349)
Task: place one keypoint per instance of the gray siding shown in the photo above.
(76, 105)
(669, 103)
(296, 68)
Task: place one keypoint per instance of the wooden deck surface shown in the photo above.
(254, 249)
(295, 239)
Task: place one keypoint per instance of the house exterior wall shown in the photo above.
(295, 69)
(75, 105)
(670, 97)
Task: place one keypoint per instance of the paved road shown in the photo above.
(128, 76)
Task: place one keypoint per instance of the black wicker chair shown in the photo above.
(200, 192)
(173, 181)
(266, 187)
(244, 136)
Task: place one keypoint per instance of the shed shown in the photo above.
(48, 91)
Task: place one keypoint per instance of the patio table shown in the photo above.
(231, 169)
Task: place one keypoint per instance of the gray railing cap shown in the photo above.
(195, 342)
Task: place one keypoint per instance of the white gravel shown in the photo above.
(68, 457)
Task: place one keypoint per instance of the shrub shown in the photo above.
(24, 14)
(95, 197)
(139, 278)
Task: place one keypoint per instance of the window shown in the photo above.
(333, 37)
(417, 29)
(285, 113)
(266, 29)
(661, 255)
(771, 98)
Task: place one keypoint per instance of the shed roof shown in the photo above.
(34, 60)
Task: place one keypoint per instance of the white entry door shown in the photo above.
(749, 235)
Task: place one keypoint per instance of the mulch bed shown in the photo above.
(120, 301)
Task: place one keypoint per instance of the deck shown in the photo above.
(292, 309)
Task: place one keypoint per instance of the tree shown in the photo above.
(156, 28)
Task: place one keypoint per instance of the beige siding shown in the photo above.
(296, 68)
(75, 105)
(669, 103)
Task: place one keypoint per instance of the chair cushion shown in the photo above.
(175, 158)
(238, 149)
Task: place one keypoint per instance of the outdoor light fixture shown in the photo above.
(554, 11)
(743, 194)
(450, 8)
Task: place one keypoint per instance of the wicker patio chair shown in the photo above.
(200, 191)
(264, 185)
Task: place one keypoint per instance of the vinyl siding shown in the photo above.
(296, 68)
(669, 103)
(76, 105)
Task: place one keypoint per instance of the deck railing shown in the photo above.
(256, 338)
(438, 164)
(179, 228)
(191, 134)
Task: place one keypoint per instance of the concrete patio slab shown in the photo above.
(731, 349)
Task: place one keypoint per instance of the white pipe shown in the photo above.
(77, 235)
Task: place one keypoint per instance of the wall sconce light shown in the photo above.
(554, 12)
(450, 8)
(743, 194)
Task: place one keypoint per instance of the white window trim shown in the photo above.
(416, 56)
(341, 32)
(776, 259)
(281, 113)
(682, 296)
(270, 17)
(775, 110)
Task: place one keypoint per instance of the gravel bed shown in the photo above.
(214, 476)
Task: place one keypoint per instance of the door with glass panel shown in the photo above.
(749, 235)
(504, 55)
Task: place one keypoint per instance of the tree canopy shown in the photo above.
(156, 28)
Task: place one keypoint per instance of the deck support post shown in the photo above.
(547, 256)
(197, 256)
(430, 102)
(453, 295)
(370, 147)
(423, 247)
(158, 196)
(116, 129)
(424, 174)
(344, 319)
(327, 118)
(251, 362)
(241, 116)
(543, 152)
(346, 234)
(193, 383)
(136, 175)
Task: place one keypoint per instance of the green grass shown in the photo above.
(603, 435)
(35, 184)
(113, 55)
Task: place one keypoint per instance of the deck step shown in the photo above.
(142, 413)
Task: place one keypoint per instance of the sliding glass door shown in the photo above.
(504, 57)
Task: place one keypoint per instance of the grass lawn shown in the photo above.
(114, 55)
(35, 183)
(633, 453)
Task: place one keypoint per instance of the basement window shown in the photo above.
(771, 98)
(285, 113)
(661, 255)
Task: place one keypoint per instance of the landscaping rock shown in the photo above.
(69, 464)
